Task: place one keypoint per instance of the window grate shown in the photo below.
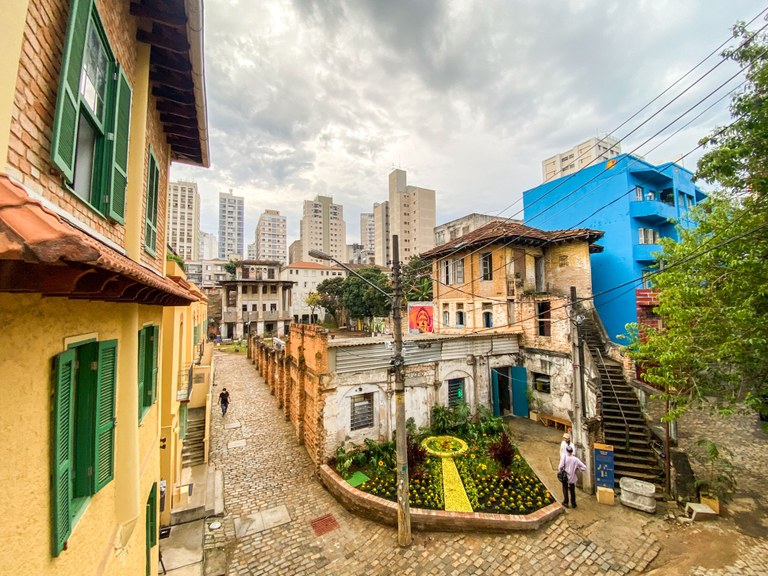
(362, 411)
(455, 391)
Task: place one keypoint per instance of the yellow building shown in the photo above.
(185, 400)
(97, 98)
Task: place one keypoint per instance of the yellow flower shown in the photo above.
(381, 463)
(472, 456)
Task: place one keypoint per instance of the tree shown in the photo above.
(231, 267)
(331, 296)
(362, 300)
(313, 300)
(417, 280)
(713, 288)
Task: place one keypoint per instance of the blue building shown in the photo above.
(635, 203)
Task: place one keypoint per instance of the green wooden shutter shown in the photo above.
(150, 385)
(118, 174)
(64, 136)
(61, 462)
(106, 379)
(142, 369)
(151, 526)
(150, 226)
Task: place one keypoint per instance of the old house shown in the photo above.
(97, 98)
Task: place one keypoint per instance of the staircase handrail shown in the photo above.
(610, 383)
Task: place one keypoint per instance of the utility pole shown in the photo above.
(398, 369)
(403, 511)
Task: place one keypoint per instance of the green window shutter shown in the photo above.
(118, 174)
(183, 420)
(152, 517)
(151, 526)
(64, 136)
(104, 462)
(61, 473)
(150, 227)
(142, 369)
(151, 382)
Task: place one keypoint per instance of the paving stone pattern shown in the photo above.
(272, 470)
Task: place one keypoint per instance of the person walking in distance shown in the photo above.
(571, 466)
(224, 401)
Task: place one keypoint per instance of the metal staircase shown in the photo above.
(624, 423)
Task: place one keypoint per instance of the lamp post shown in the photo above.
(397, 363)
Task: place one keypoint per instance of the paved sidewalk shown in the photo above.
(272, 496)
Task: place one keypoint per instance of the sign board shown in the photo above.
(604, 465)
(420, 317)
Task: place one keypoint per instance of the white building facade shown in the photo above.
(306, 276)
(231, 224)
(580, 156)
(323, 228)
(184, 219)
(271, 237)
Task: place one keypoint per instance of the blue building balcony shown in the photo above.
(643, 253)
(652, 211)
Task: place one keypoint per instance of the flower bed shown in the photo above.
(495, 477)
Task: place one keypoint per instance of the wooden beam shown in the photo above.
(157, 15)
(183, 110)
(170, 60)
(174, 42)
(185, 132)
(170, 119)
(172, 79)
(177, 96)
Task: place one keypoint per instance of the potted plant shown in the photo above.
(534, 404)
(718, 479)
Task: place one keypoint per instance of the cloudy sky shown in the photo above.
(326, 97)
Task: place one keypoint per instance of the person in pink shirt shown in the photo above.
(572, 467)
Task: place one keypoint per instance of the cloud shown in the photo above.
(309, 97)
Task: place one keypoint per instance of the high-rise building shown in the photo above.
(295, 252)
(464, 225)
(323, 228)
(381, 239)
(271, 237)
(209, 246)
(184, 219)
(250, 251)
(411, 218)
(231, 221)
(587, 153)
(368, 231)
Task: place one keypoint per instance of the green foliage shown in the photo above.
(343, 462)
(331, 297)
(362, 300)
(417, 280)
(313, 300)
(176, 258)
(719, 478)
(714, 284)
(231, 267)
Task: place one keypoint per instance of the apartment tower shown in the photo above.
(231, 220)
(323, 228)
(411, 217)
(588, 153)
(271, 237)
(184, 219)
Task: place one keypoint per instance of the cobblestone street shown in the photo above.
(272, 497)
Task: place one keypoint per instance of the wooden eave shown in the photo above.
(174, 30)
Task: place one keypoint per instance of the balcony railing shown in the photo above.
(652, 211)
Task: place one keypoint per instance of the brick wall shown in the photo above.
(34, 107)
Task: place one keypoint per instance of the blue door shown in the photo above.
(495, 392)
(501, 389)
(519, 391)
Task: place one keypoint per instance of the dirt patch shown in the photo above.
(688, 547)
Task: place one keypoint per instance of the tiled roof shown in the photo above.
(512, 233)
(42, 253)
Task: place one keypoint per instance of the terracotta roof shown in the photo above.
(513, 233)
(42, 253)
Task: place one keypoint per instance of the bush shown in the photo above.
(503, 451)
(416, 453)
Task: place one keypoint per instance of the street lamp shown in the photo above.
(403, 511)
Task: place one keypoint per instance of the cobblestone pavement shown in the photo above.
(264, 469)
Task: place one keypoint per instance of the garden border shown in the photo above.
(385, 511)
